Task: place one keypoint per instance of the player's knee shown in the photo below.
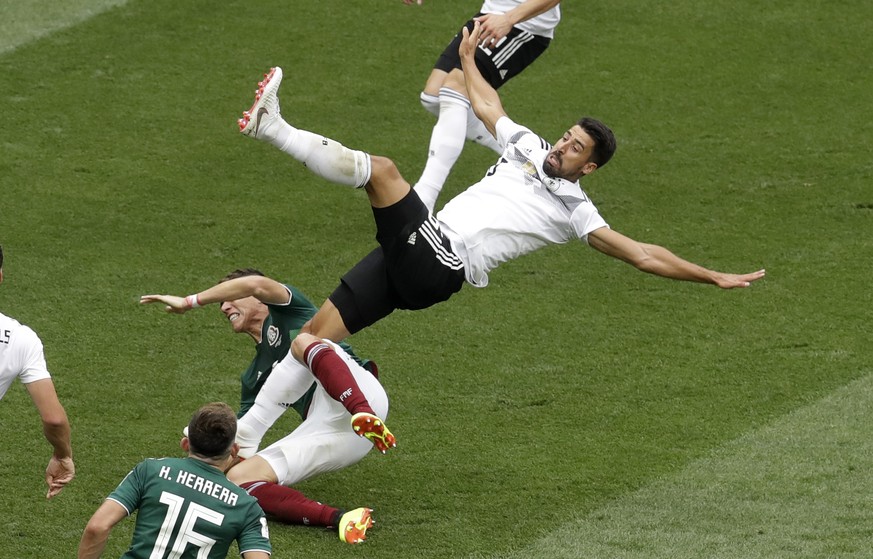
(430, 102)
(455, 80)
(383, 169)
(300, 343)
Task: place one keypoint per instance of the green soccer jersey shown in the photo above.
(280, 327)
(188, 509)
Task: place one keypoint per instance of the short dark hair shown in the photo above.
(212, 431)
(241, 273)
(604, 139)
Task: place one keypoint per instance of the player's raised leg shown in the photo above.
(323, 156)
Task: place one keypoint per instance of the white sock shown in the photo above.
(249, 432)
(431, 103)
(477, 132)
(446, 145)
(325, 157)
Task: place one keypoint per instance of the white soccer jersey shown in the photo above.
(21, 354)
(543, 24)
(515, 209)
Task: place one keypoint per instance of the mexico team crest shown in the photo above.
(274, 338)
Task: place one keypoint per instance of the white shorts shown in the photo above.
(324, 441)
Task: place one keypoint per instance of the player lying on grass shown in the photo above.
(271, 313)
(529, 199)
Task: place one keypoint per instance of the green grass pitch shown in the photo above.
(574, 408)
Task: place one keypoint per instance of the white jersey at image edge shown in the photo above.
(21, 354)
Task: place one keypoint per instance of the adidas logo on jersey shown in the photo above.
(412, 238)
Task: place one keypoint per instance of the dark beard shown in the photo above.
(549, 170)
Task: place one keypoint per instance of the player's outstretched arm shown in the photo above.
(262, 288)
(657, 260)
(484, 98)
(97, 531)
(56, 427)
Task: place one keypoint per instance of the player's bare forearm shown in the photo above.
(55, 425)
(91, 546)
(97, 530)
(657, 260)
(484, 98)
(58, 435)
(262, 288)
(662, 262)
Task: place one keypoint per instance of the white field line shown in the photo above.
(799, 487)
(25, 21)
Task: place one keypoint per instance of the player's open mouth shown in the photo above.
(553, 160)
(233, 316)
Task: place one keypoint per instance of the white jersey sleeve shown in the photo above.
(21, 354)
(506, 130)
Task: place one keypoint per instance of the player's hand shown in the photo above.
(173, 304)
(730, 281)
(58, 473)
(494, 28)
(469, 40)
(408, 2)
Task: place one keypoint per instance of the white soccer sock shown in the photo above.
(250, 430)
(446, 145)
(325, 157)
(431, 103)
(477, 132)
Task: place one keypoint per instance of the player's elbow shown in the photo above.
(97, 529)
(645, 258)
(645, 263)
(258, 286)
(299, 344)
(54, 418)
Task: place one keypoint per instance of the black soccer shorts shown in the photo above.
(501, 63)
(414, 267)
